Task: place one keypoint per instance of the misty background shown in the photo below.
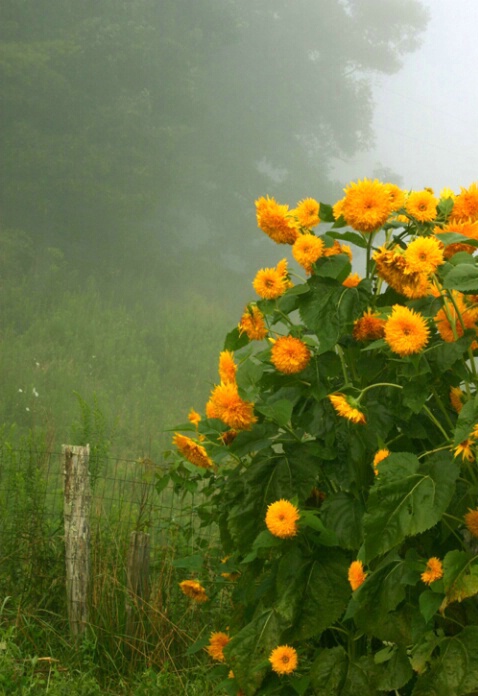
(136, 136)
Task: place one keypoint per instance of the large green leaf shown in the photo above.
(467, 418)
(407, 498)
(329, 671)
(455, 671)
(460, 576)
(328, 310)
(342, 513)
(463, 278)
(325, 594)
(249, 649)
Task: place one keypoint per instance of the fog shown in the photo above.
(135, 139)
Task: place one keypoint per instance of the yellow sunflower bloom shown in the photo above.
(451, 318)
(192, 451)
(466, 204)
(283, 659)
(396, 196)
(194, 417)
(194, 590)
(281, 519)
(467, 228)
(433, 571)
(369, 327)
(471, 521)
(226, 404)
(424, 255)
(276, 221)
(227, 367)
(216, 645)
(380, 455)
(352, 280)
(406, 331)
(253, 324)
(271, 283)
(290, 355)
(366, 206)
(422, 205)
(464, 448)
(356, 574)
(307, 213)
(345, 409)
(457, 398)
(306, 250)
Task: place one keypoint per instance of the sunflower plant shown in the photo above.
(337, 454)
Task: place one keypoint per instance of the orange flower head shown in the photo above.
(433, 571)
(290, 355)
(424, 255)
(307, 213)
(467, 228)
(227, 367)
(271, 283)
(422, 205)
(356, 574)
(281, 519)
(345, 409)
(392, 266)
(466, 204)
(192, 451)
(369, 327)
(457, 398)
(194, 417)
(406, 331)
(276, 221)
(451, 318)
(465, 449)
(194, 590)
(283, 659)
(306, 250)
(380, 455)
(471, 521)
(226, 404)
(352, 280)
(366, 206)
(217, 643)
(253, 324)
(396, 196)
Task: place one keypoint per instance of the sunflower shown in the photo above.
(290, 355)
(422, 205)
(433, 571)
(306, 250)
(194, 417)
(192, 451)
(396, 196)
(356, 575)
(424, 255)
(380, 455)
(281, 519)
(226, 404)
(406, 331)
(447, 193)
(227, 367)
(471, 521)
(343, 406)
(393, 268)
(466, 204)
(271, 283)
(369, 327)
(276, 221)
(307, 213)
(338, 208)
(253, 324)
(457, 398)
(452, 318)
(194, 590)
(467, 228)
(352, 280)
(283, 659)
(464, 448)
(366, 205)
(217, 643)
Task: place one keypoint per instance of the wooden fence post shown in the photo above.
(76, 513)
(137, 580)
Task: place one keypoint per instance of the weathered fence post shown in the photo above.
(137, 581)
(76, 513)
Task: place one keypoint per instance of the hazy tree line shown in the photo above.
(136, 134)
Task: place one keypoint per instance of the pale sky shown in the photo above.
(426, 115)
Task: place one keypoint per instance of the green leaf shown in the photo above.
(235, 340)
(326, 213)
(325, 594)
(329, 671)
(429, 603)
(343, 514)
(407, 498)
(328, 310)
(396, 670)
(290, 582)
(463, 278)
(455, 671)
(337, 267)
(352, 237)
(445, 355)
(455, 238)
(248, 651)
(445, 206)
(194, 562)
(279, 411)
(460, 577)
(467, 418)
(310, 518)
